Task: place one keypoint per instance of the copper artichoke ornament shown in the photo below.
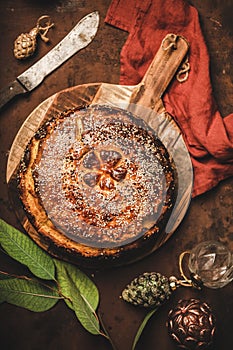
(26, 43)
(192, 325)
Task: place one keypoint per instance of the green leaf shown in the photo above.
(28, 294)
(21, 248)
(81, 294)
(142, 326)
(4, 276)
(84, 312)
(66, 273)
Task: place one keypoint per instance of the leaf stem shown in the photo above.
(26, 278)
(15, 276)
(34, 294)
(106, 333)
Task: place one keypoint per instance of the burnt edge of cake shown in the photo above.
(63, 246)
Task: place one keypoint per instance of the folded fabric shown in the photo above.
(208, 136)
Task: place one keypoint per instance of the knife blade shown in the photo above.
(78, 38)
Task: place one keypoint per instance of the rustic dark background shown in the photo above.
(210, 216)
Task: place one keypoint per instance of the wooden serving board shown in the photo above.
(144, 100)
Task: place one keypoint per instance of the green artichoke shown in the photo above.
(149, 290)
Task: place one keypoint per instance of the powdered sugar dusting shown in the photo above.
(106, 185)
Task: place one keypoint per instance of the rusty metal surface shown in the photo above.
(210, 216)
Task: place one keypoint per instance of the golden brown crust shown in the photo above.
(96, 183)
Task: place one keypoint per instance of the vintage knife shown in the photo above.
(78, 38)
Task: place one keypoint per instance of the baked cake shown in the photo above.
(96, 183)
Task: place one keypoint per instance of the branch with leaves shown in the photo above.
(51, 281)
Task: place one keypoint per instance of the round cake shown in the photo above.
(97, 184)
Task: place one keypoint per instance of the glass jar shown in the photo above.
(212, 261)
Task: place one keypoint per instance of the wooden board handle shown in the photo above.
(161, 71)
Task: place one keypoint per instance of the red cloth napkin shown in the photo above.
(208, 136)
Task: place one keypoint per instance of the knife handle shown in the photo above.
(10, 91)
